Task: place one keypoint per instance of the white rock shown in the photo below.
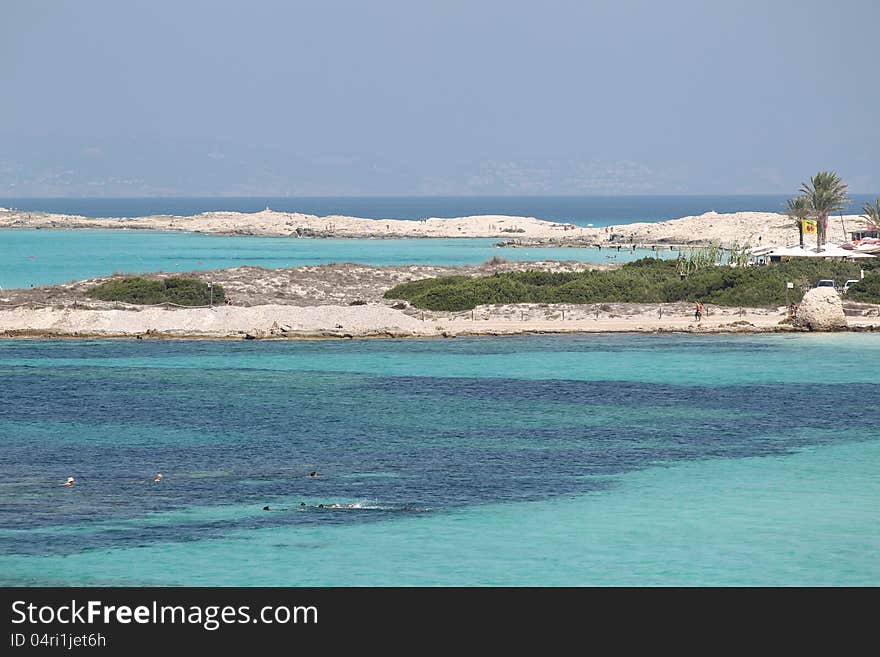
(821, 310)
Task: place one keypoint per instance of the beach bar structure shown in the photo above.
(866, 233)
(771, 254)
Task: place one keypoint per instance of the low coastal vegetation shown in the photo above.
(146, 291)
(648, 280)
(867, 290)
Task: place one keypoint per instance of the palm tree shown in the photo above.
(826, 194)
(872, 213)
(798, 209)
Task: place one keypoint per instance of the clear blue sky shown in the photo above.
(404, 97)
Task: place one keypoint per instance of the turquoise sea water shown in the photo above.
(46, 257)
(564, 460)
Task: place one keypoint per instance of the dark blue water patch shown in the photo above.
(772, 405)
(285, 407)
(464, 346)
(249, 436)
(138, 535)
(246, 437)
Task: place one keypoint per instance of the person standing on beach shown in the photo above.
(698, 312)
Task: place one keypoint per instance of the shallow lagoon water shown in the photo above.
(47, 257)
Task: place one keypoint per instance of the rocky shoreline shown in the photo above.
(740, 228)
(34, 334)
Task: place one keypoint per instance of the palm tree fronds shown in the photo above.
(872, 213)
(798, 208)
(826, 193)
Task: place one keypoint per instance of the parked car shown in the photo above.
(849, 284)
(827, 282)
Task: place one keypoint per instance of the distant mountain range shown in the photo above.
(131, 166)
(52, 166)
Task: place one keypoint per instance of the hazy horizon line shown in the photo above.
(405, 196)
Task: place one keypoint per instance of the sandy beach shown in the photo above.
(375, 320)
(744, 228)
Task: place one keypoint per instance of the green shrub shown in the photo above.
(648, 280)
(145, 291)
(866, 290)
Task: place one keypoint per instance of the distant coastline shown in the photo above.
(742, 228)
(583, 210)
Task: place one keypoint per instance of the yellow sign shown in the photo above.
(810, 226)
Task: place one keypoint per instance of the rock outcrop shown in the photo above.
(821, 310)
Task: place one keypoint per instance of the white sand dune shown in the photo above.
(752, 228)
(287, 224)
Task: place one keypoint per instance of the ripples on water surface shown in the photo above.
(415, 435)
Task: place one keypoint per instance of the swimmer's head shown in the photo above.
(302, 503)
(70, 481)
(265, 508)
(158, 477)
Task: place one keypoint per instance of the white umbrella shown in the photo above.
(830, 251)
(834, 251)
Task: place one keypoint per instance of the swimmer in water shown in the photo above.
(70, 482)
(158, 479)
(266, 508)
(313, 474)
